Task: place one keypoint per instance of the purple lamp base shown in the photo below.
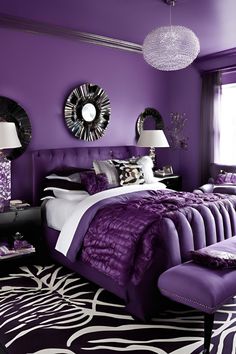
(5, 182)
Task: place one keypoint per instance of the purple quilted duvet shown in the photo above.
(123, 236)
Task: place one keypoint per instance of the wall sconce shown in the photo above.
(8, 140)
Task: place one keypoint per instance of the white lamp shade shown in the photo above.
(8, 136)
(152, 138)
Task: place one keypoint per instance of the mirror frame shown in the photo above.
(77, 99)
(11, 111)
(147, 113)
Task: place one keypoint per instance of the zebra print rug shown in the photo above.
(48, 310)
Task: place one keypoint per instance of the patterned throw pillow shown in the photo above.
(109, 168)
(130, 174)
(226, 178)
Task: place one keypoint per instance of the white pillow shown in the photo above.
(159, 185)
(74, 177)
(147, 167)
(68, 194)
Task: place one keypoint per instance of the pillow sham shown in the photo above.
(71, 195)
(62, 184)
(107, 167)
(226, 178)
(94, 183)
(225, 189)
(64, 194)
(130, 174)
(53, 187)
(110, 168)
(47, 195)
(74, 177)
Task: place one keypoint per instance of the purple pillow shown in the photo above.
(94, 183)
(214, 258)
(226, 178)
(225, 189)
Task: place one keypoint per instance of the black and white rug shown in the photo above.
(48, 310)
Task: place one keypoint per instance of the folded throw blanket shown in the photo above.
(220, 255)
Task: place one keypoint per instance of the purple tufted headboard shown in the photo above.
(46, 161)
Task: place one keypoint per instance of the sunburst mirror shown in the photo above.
(150, 118)
(11, 111)
(87, 112)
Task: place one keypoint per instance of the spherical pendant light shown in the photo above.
(170, 47)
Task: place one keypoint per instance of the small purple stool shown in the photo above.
(200, 287)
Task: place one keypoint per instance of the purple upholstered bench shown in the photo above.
(203, 288)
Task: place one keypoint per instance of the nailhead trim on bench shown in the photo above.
(213, 309)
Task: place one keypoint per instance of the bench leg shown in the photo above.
(208, 326)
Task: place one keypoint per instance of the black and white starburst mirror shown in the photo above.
(87, 112)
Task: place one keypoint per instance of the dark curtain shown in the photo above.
(210, 100)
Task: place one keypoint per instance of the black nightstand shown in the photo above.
(171, 181)
(27, 222)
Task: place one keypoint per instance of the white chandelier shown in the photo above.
(170, 47)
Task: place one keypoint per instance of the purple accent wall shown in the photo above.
(39, 72)
(184, 94)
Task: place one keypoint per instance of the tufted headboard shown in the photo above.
(46, 161)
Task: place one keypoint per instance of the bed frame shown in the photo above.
(140, 300)
(194, 229)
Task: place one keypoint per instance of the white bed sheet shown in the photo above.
(58, 211)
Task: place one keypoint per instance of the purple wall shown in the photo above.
(184, 90)
(39, 72)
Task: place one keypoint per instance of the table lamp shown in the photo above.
(8, 140)
(152, 138)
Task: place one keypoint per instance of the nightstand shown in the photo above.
(27, 223)
(171, 181)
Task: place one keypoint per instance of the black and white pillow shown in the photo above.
(62, 188)
(130, 174)
(62, 184)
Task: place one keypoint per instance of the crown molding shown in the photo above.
(36, 27)
(218, 55)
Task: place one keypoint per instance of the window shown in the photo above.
(226, 149)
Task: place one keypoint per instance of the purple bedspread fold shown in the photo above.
(124, 232)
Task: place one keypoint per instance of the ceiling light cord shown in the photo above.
(170, 17)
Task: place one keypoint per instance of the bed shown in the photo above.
(186, 222)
